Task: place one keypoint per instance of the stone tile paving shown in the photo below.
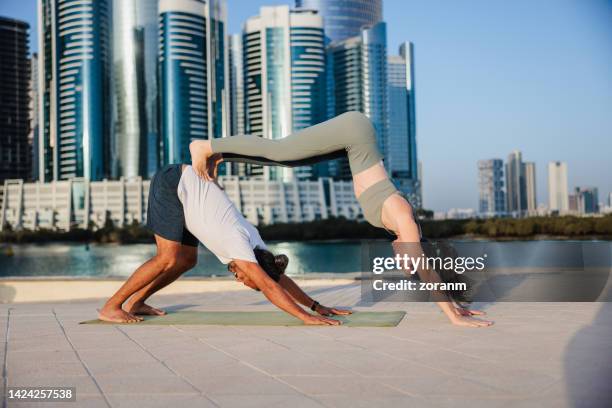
(537, 355)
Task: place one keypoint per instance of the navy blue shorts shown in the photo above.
(165, 216)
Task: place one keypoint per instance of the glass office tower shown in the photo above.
(134, 97)
(344, 19)
(82, 81)
(284, 78)
(491, 199)
(74, 89)
(516, 189)
(192, 65)
(236, 99)
(401, 150)
(46, 91)
(15, 155)
(359, 66)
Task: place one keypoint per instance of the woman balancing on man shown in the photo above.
(350, 134)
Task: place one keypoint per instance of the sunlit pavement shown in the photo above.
(537, 354)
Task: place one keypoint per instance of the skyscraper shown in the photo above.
(492, 200)
(74, 84)
(284, 78)
(401, 149)
(46, 90)
(530, 188)
(557, 187)
(192, 65)
(15, 154)
(236, 85)
(33, 117)
(516, 195)
(359, 67)
(345, 19)
(587, 200)
(134, 92)
(236, 98)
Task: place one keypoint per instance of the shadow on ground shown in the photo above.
(588, 362)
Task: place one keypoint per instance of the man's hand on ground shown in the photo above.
(331, 311)
(320, 321)
(462, 311)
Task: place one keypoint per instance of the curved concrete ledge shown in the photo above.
(25, 290)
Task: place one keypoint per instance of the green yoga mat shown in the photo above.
(357, 319)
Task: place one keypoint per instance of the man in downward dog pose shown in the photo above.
(183, 209)
(351, 135)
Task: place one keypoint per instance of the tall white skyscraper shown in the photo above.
(558, 199)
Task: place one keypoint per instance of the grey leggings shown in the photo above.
(348, 135)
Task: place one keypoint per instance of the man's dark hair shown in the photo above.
(274, 266)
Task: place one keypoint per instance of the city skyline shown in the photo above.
(562, 115)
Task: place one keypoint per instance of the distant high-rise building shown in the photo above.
(15, 156)
(530, 188)
(401, 152)
(193, 77)
(587, 200)
(284, 78)
(492, 200)
(236, 85)
(345, 19)
(610, 200)
(236, 98)
(516, 191)
(46, 90)
(359, 67)
(74, 85)
(558, 199)
(33, 116)
(136, 142)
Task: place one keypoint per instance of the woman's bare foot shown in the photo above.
(117, 315)
(200, 151)
(468, 321)
(140, 308)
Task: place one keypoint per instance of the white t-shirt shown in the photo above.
(215, 221)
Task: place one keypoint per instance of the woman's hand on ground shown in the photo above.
(320, 321)
(331, 311)
(468, 321)
(462, 311)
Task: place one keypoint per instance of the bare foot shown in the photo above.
(200, 151)
(117, 315)
(140, 308)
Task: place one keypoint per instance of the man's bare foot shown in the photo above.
(140, 308)
(200, 151)
(117, 315)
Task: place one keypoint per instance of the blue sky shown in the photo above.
(493, 76)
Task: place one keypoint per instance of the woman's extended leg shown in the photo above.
(350, 134)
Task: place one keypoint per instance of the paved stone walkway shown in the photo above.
(537, 355)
